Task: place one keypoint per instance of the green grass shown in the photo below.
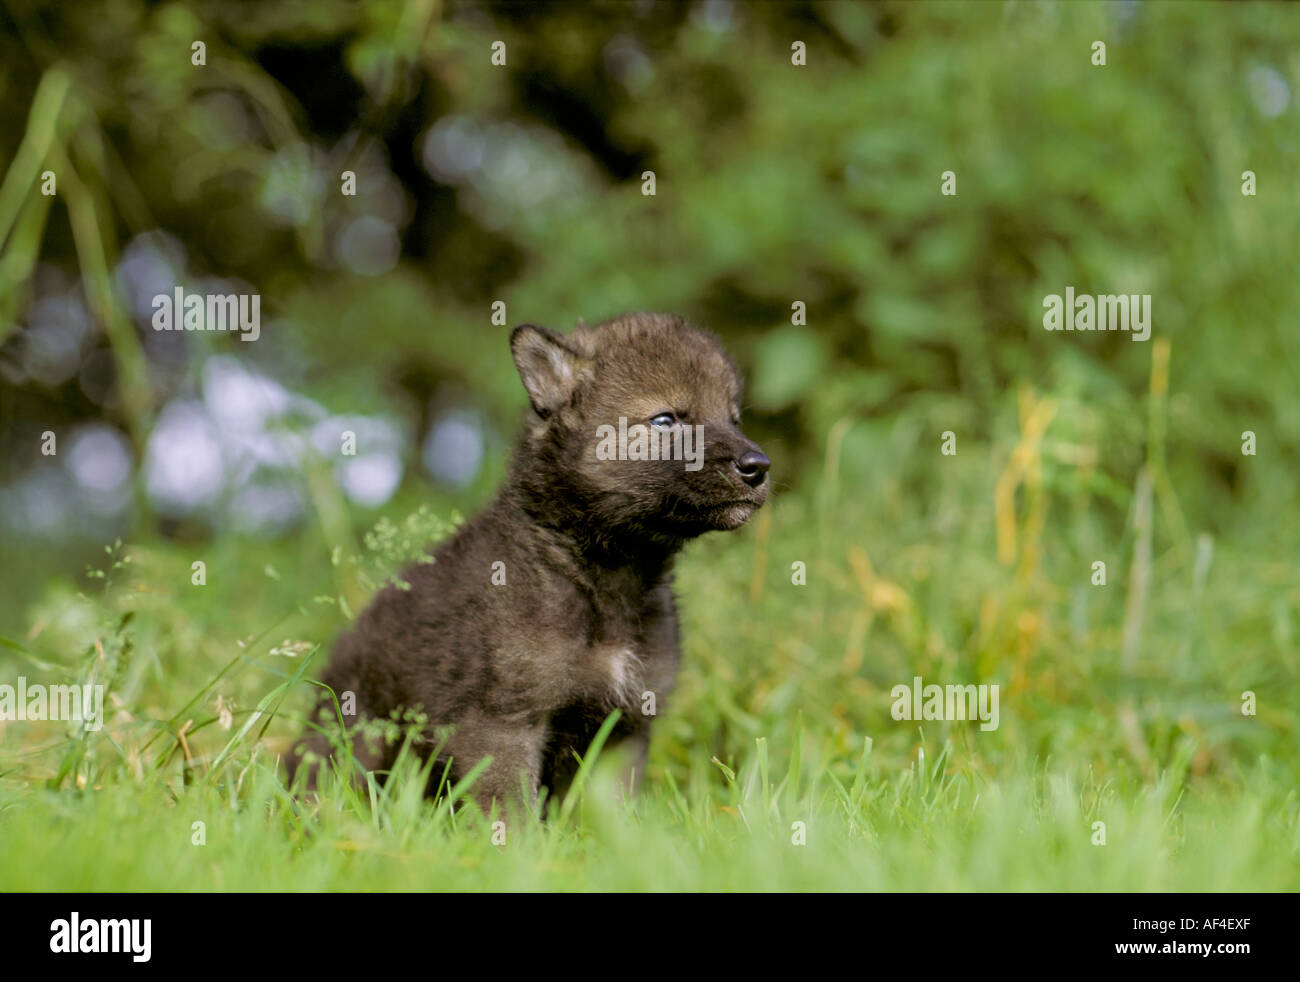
(930, 826)
(781, 715)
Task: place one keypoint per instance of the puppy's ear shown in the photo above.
(550, 369)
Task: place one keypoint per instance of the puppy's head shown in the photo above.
(638, 420)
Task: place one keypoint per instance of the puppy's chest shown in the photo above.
(633, 655)
(587, 650)
(614, 673)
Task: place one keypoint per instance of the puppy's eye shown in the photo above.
(663, 421)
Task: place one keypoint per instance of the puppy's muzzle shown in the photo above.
(752, 467)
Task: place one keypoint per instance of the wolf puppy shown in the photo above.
(585, 621)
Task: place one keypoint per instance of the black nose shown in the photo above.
(752, 467)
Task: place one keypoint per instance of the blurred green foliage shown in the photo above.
(775, 184)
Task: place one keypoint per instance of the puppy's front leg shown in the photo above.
(636, 750)
(516, 752)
